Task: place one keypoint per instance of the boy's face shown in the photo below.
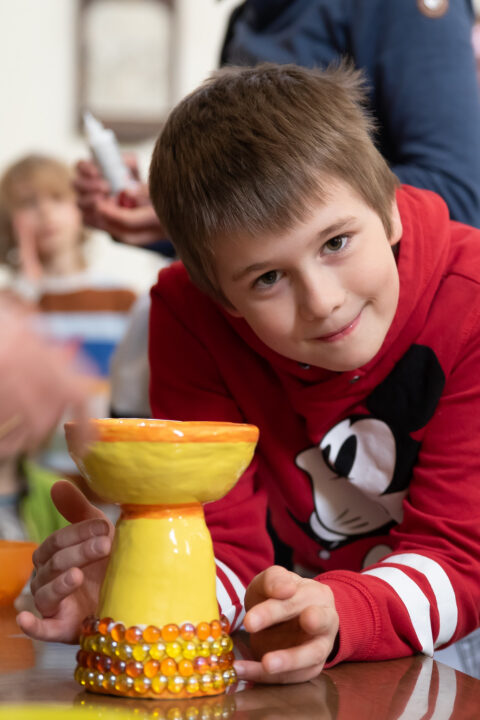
(324, 293)
(50, 219)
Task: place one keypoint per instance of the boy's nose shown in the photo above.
(320, 295)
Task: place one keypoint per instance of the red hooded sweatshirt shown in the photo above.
(372, 477)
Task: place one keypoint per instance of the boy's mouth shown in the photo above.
(341, 332)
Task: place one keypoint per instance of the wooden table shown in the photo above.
(415, 688)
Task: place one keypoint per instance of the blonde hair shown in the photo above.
(45, 174)
(251, 149)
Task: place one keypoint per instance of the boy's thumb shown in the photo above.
(72, 503)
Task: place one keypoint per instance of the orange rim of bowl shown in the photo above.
(171, 431)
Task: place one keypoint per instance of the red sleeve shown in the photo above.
(426, 594)
(186, 385)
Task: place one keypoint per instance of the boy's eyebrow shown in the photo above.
(328, 231)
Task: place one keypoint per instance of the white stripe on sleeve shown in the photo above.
(415, 601)
(239, 590)
(441, 588)
(227, 607)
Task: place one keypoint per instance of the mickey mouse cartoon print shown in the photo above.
(361, 469)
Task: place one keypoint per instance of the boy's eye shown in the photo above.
(336, 244)
(267, 279)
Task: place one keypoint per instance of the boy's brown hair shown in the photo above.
(252, 149)
(41, 173)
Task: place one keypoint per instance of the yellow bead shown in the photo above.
(227, 643)
(217, 680)
(141, 685)
(204, 649)
(206, 682)
(157, 651)
(159, 683)
(79, 675)
(140, 652)
(173, 649)
(192, 684)
(216, 647)
(175, 684)
(124, 651)
(189, 650)
(123, 683)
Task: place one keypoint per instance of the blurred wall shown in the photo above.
(38, 73)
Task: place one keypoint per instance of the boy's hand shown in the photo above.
(293, 624)
(69, 569)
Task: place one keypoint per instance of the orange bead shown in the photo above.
(170, 632)
(203, 630)
(118, 632)
(151, 634)
(216, 629)
(225, 624)
(133, 635)
(187, 631)
(168, 666)
(103, 625)
(151, 668)
(185, 668)
(118, 666)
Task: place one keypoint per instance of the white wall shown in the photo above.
(38, 74)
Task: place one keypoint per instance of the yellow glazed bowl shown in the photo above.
(150, 462)
(15, 568)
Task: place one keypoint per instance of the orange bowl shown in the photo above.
(15, 567)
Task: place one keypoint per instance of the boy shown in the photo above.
(316, 309)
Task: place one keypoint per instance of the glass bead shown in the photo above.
(203, 630)
(215, 629)
(199, 664)
(134, 669)
(102, 641)
(216, 647)
(170, 632)
(118, 632)
(103, 625)
(151, 668)
(168, 667)
(159, 683)
(157, 651)
(206, 682)
(109, 682)
(189, 650)
(90, 677)
(203, 649)
(213, 661)
(78, 675)
(81, 657)
(173, 649)
(192, 685)
(133, 635)
(187, 631)
(123, 683)
(89, 642)
(226, 643)
(225, 624)
(99, 680)
(151, 634)
(140, 652)
(175, 684)
(124, 651)
(185, 668)
(118, 666)
(141, 685)
(111, 647)
(104, 663)
(217, 680)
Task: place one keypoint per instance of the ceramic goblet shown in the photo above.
(157, 631)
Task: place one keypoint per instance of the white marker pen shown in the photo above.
(105, 150)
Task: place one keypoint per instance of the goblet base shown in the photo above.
(155, 662)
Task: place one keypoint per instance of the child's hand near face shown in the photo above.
(293, 625)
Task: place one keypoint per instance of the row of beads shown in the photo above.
(208, 708)
(171, 660)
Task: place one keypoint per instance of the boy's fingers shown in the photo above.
(76, 556)
(68, 537)
(255, 672)
(74, 506)
(310, 654)
(43, 629)
(49, 597)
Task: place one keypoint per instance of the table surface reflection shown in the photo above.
(414, 688)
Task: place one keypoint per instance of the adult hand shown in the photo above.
(69, 569)
(293, 625)
(128, 217)
(38, 383)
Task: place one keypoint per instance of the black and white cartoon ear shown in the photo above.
(350, 471)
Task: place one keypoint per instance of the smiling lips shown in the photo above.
(342, 332)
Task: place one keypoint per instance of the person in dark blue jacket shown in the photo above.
(419, 65)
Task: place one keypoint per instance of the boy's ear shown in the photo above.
(396, 224)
